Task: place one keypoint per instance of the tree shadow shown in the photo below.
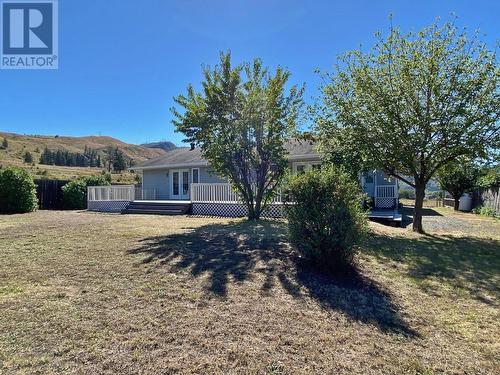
(467, 263)
(407, 213)
(241, 250)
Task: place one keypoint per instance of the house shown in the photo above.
(183, 179)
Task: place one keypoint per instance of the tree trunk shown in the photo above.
(417, 210)
(456, 204)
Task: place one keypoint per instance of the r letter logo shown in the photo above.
(29, 34)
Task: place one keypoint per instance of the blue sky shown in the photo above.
(121, 62)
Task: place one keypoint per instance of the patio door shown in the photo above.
(180, 184)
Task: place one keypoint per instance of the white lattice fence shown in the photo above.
(386, 196)
(233, 210)
(107, 206)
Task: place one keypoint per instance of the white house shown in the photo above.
(182, 181)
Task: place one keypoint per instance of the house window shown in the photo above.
(195, 178)
(368, 178)
(301, 167)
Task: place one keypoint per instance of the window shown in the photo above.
(301, 167)
(195, 178)
(368, 178)
(175, 183)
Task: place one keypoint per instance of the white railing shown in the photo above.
(386, 196)
(386, 191)
(218, 193)
(111, 193)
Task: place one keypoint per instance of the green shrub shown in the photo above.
(17, 191)
(325, 218)
(407, 193)
(75, 192)
(484, 211)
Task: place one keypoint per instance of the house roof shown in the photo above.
(185, 157)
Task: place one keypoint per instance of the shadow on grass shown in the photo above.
(468, 263)
(238, 251)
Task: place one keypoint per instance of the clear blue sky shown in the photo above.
(122, 61)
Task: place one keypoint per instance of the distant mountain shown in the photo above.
(19, 144)
(163, 145)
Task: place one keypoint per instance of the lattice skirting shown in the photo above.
(233, 210)
(385, 203)
(107, 206)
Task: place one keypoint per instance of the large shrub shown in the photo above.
(326, 218)
(17, 191)
(407, 193)
(75, 192)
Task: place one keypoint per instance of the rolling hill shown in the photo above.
(18, 145)
(164, 145)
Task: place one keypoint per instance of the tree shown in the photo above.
(5, 143)
(28, 158)
(108, 163)
(119, 163)
(490, 177)
(457, 178)
(412, 104)
(240, 120)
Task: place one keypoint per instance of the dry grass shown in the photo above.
(13, 156)
(100, 293)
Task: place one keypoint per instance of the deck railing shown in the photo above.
(111, 193)
(219, 193)
(386, 196)
(386, 191)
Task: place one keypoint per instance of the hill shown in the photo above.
(18, 145)
(164, 145)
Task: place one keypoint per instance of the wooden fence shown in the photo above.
(488, 198)
(49, 193)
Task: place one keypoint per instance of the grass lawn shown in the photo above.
(88, 293)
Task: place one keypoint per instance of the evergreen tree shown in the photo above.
(28, 158)
(119, 163)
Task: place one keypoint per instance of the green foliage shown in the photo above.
(241, 120)
(17, 191)
(484, 211)
(407, 193)
(326, 218)
(75, 192)
(89, 158)
(412, 104)
(490, 178)
(5, 143)
(119, 163)
(458, 177)
(28, 158)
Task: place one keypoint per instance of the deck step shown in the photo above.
(157, 208)
(152, 212)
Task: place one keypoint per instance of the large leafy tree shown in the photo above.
(241, 119)
(412, 104)
(458, 177)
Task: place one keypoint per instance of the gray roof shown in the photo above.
(184, 156)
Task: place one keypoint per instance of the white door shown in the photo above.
(180, 184)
